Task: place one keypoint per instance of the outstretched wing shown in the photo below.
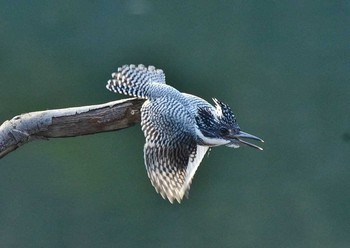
(171, 153)
(132, 80)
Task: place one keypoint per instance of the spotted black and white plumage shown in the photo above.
(179, 128)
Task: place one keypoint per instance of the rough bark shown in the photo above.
(68, 122)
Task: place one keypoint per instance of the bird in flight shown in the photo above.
(179, 128)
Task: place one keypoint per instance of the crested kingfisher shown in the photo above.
(179, 128)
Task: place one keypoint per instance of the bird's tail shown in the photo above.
(133, 80)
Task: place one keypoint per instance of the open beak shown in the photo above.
(242, 135)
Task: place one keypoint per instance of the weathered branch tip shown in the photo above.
(68, 122)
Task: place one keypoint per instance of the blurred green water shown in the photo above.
(283, 66)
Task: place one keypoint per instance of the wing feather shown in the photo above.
(171, 153)
(133, 80)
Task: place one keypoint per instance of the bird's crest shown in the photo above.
(209, 118)
(224, 112)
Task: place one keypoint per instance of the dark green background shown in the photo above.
(284, 68)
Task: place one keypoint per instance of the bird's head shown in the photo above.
(218, 126)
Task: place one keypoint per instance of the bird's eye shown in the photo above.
(224, 131)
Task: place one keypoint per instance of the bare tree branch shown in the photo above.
(68, 122)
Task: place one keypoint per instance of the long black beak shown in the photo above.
(242, 135)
